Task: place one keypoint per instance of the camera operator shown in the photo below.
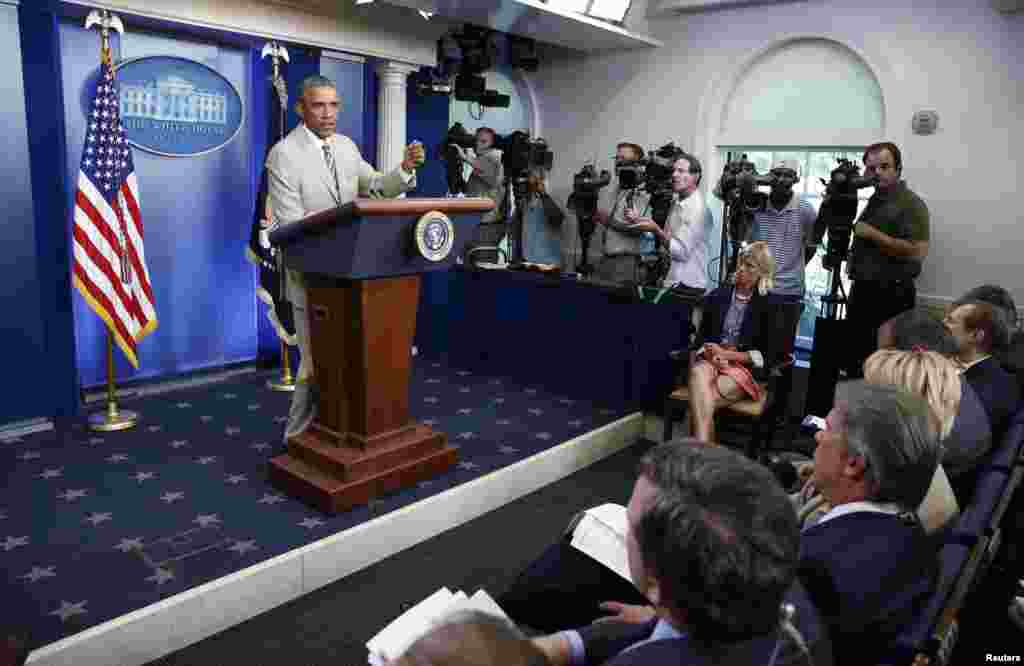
(485, 180)
(890, 242)
(685, 230)
(542, 221)
(786, 223)
(622, 243)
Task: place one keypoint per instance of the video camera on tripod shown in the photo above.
(740, 189)
(838, 210)
(586, 189)
(836, 216)
(519, 153)
(657, 182)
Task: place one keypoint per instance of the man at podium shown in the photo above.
(313, 169)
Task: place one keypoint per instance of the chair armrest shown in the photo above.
(483, 248)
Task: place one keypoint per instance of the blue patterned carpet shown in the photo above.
(93, 526)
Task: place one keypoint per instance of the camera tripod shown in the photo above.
(830, 330)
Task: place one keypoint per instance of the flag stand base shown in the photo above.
(286, 385)
(113, 419)
(287, 382)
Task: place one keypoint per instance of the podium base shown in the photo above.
(335, 478)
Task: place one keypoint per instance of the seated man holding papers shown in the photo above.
(712, 544)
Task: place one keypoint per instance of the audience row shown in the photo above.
(723, 570)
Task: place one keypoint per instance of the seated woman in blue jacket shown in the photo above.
(742, 340)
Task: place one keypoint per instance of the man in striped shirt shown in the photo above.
(786, 223)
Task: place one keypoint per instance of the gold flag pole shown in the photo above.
(277, 53)
(114, 418)
(287, 382)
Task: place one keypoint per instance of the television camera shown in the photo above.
(519, 153)
(838, 210)
(653, 175)
(740, 190)
(449, 150)
(657, 182)
(586, 189)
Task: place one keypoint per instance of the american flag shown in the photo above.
(109, 261)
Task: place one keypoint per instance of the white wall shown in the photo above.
(956, 58)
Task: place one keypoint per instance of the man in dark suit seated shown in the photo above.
(712, 543)
(1012, 357)
(867, 563)
(980, 330)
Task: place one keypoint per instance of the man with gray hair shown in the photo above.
(867, 562)
(313, 169)
(712, 543)
(472, 638)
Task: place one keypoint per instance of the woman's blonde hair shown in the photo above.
(760, 255)
(928, 374)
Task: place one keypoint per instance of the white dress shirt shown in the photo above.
(687, 244)
(861, 507)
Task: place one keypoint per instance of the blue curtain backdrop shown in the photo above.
(370, 110)
(303, 61)
(196, 213)
(427, 120)
(348, 76)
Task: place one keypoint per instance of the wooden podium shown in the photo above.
(362, 264)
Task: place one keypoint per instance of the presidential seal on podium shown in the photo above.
(435, 236)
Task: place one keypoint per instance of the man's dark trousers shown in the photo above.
(870, 305)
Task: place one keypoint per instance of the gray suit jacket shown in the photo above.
(488, 183)
(300, 184)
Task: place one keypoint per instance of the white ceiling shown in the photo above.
(526, 18)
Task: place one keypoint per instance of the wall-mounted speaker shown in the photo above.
(925, 122)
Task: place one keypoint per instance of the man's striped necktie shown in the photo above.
(329, 158)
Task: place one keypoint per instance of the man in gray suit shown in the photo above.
(312, 169)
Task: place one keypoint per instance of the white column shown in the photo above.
(391, 111)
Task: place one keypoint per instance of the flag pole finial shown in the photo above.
(277, 52)
(106, 22)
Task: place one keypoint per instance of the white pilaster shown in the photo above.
(391, 111)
